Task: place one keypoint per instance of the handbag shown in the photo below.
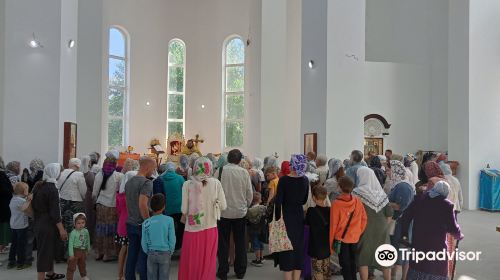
(278, 237)
(338, 243)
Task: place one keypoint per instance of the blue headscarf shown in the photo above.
(441, 188)
(299, 164)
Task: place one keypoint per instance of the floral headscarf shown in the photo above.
(257, 164)
(432, 169)
(202, 170)
(36, 165)
(51, 172)
(369, 190)
(298, 163)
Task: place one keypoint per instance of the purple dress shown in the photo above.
(432, 219)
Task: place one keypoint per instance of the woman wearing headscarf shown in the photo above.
(293, 190)
(376, 166)
(47, 222)
(202, 200)
(170, 185)
(378, 211)
(412, 167)
(94, 162)
(184, 170)
(89, 205)
(36, 172)
(433, 218)
(400, 196)
(285, 169)
(121, 239)
(335, 172)
(321, 168)
(257, 166)
(429, 156)
(433, 174)
(72, 188)
(6, 190)
(106, 184)
(13, 171)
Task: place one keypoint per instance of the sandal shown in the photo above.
(54, 276)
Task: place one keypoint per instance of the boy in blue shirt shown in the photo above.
(158, 240)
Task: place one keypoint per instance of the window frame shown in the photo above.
(170, 93)
(125, 88)
(226, 93)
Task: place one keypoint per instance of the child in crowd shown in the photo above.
(78, 247)
(158, 240)
(256, 216)
(347, 222)
(318, 220)
(19, 227)
(272, 177)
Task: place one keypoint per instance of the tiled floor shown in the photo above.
(478, 227)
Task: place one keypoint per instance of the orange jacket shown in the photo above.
(339, 215)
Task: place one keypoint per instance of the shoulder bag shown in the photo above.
(278, 237)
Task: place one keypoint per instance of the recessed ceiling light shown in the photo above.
(311, 64)
(71, 43)
(148, 103)
(34, 43)
(203, 106)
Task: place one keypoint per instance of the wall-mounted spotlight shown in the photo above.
(311, 64)
(71, 43)
(34, 43)
(203, 106)
(148, 103)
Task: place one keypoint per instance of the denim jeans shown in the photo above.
(136, 256)
(18, 247)
(158, 265)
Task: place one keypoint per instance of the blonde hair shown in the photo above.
(20, 187)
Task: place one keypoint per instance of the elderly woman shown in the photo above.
(378, 211)
(202, 200)
(335, 172)
(170, 185)
(5, 197)
(293, 190)
(183, 169)
(36, 172)
(72, 189)
(400, 197)
(13, 169)
(94, 162)
(376, 166)
(433, 174)
(433, 218)
(257, 165)
(104, 192)
(47, 222)
(321, 168)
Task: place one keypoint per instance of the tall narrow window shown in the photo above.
(117, 88)
(176, 82)
(234, 93)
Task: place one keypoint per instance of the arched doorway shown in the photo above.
(376, 128)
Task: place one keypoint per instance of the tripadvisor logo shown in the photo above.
(386, 255)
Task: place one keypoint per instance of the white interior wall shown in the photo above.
(31, 84)
(203, 31)
(68, 67)
(281, 78)
(89, 76)
(484, 88)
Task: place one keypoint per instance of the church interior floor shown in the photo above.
(479, 228)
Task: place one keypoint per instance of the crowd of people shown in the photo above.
(209, 212)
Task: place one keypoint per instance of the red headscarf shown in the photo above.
(433, 173)
(285, 168)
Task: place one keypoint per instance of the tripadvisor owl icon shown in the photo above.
(386, 255)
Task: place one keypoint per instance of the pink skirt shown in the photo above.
(199, 255)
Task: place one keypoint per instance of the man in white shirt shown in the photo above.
(239, 194)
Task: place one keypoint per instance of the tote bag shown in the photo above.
(278, 238)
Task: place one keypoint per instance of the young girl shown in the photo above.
(78, 247)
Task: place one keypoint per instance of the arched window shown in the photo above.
(117, 88)
(176, 82)
(234, 93)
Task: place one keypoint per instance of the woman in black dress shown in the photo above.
(48, 226)
(293, 190)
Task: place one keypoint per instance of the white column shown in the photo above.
(280, 78)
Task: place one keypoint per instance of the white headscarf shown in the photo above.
(125, 179)
(85, 167)
(51, 172)
(75, 162)
(369, 190)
